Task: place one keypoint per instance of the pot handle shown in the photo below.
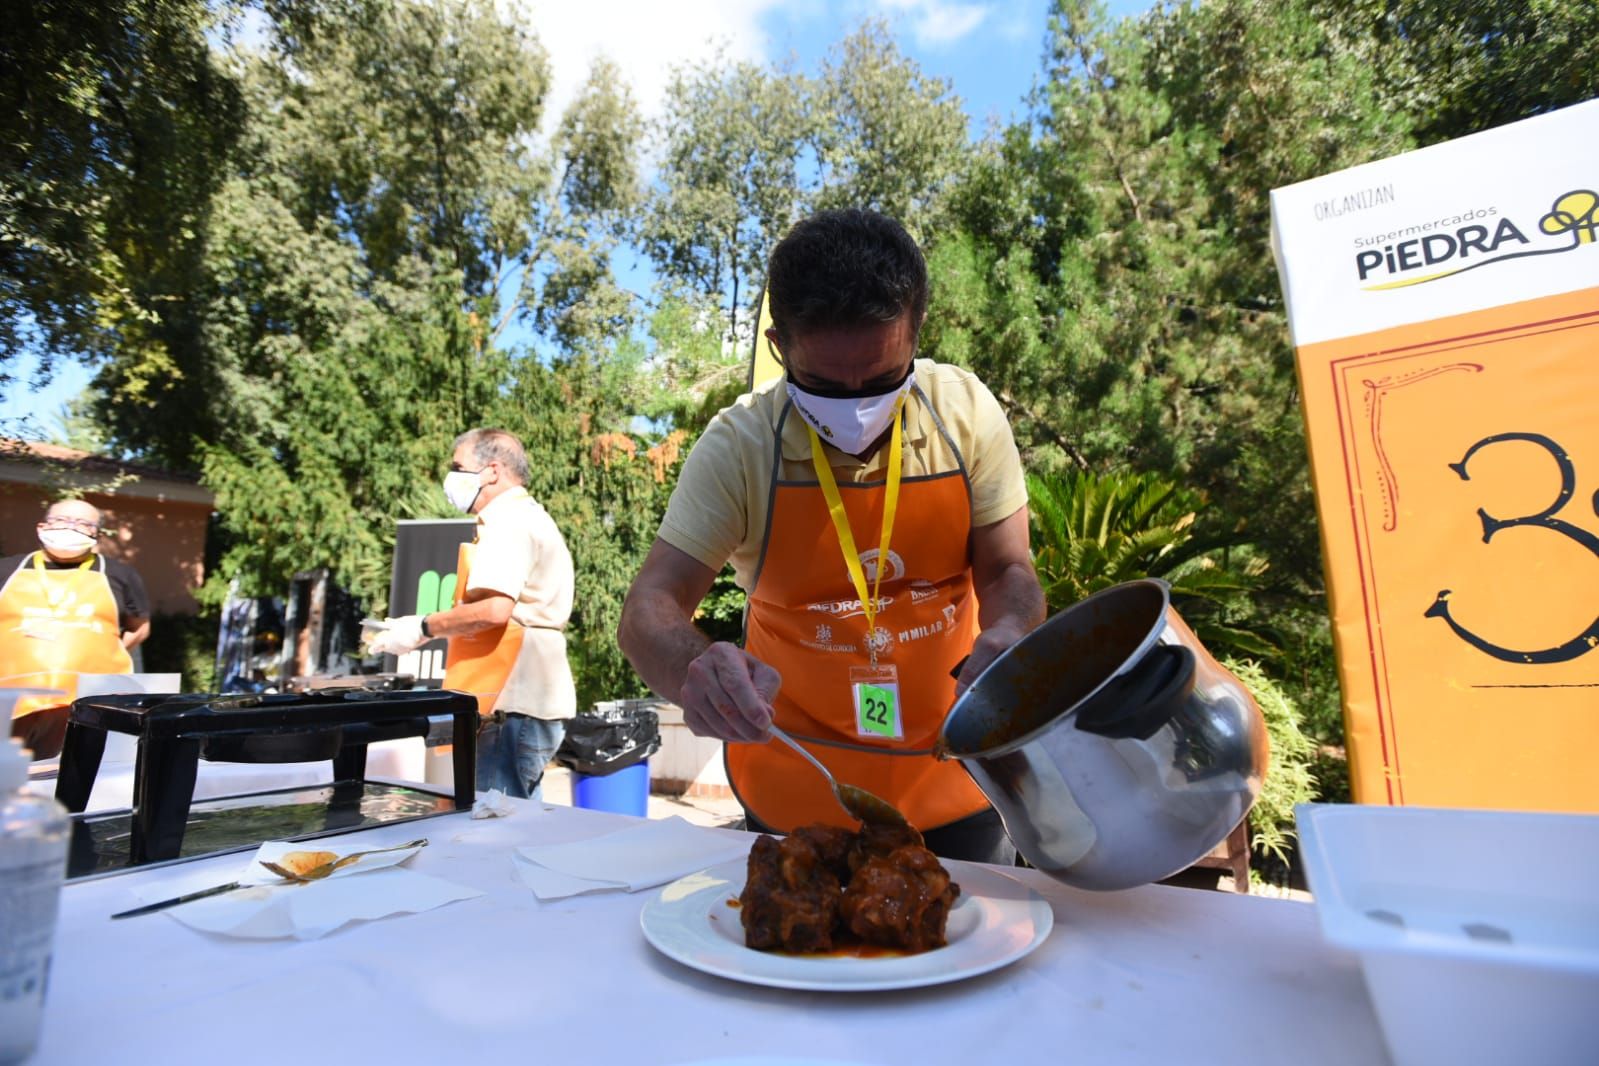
(1139, 702)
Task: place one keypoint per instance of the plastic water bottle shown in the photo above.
(33, 862)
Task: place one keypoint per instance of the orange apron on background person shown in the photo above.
(54, 625)
(805, 620)
(481, 662)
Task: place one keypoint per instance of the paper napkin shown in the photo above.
(374, 886)
(641, 856)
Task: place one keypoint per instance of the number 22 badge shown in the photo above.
(874, 691)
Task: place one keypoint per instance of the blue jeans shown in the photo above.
(512, 755)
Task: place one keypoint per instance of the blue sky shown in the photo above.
(990, 52)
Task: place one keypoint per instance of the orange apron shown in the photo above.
(479, 662)
(805, 620)
(54, 625)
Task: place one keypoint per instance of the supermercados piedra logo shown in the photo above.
(1479, 238)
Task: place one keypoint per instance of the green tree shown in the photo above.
(370, 411)
(747, 151)
(884, 135)
(386, 224)
(74, 426)
(1092, 531)
(729, 179)
(116, 127)
(1460, 66)
(388, 145)
(1109, 273)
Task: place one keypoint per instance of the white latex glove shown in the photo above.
(402, 634)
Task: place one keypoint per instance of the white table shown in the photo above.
(1156, 975)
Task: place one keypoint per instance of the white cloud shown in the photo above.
(645, 39)
(936, 23)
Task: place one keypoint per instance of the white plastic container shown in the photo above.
(33, 862)
(1477, 931)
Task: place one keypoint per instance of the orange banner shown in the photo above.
(1445, 311)
(1457, 482)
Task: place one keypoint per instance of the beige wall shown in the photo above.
(161, 537)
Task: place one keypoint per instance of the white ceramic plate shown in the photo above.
(995, 922)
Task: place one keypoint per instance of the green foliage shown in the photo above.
(1137, 323)
(116, 126)
(747, 151)
(730, 182)
(367, 420)
(1109, 276)
(184, 644)
(1330, 768)
(386, 152)
(1460, 66)
(74, 426)
(885, 136)
(721, 613)
(1289, 779)
(692, 373)
(1090, 532)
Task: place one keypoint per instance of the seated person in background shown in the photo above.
(65, 609)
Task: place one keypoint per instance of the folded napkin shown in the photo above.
(640, 856)
(373, 886)
(492, 804)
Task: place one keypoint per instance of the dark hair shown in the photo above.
(839, 269)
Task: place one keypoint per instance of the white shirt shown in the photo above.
(521, 554)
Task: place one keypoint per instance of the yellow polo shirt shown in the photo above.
(717, 513)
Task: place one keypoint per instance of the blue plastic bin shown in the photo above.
(625, 792)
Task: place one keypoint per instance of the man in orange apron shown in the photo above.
(513, 595)
(59, 617)
(873, 506)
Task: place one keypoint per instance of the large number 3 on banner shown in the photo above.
(1585, 641)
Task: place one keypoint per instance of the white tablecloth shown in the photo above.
(1156, 975)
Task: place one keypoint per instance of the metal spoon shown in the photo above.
(857, 802)
(317, 873)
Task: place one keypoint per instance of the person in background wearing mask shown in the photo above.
(65, 609)
(513, 595)
(874, 509)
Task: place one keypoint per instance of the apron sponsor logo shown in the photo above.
(922, 591)
(906, 636)
(824, 641)
(896, 565)
(844, 608)
(70, 609)
(938, 625)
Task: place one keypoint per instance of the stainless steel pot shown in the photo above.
(1116, 750)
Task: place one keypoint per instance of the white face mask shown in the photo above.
(850, 423)
(461, 488)
(66, 542)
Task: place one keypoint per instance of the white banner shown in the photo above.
(1431, 232)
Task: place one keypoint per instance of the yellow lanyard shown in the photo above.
(846, 539)
(54, 598)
